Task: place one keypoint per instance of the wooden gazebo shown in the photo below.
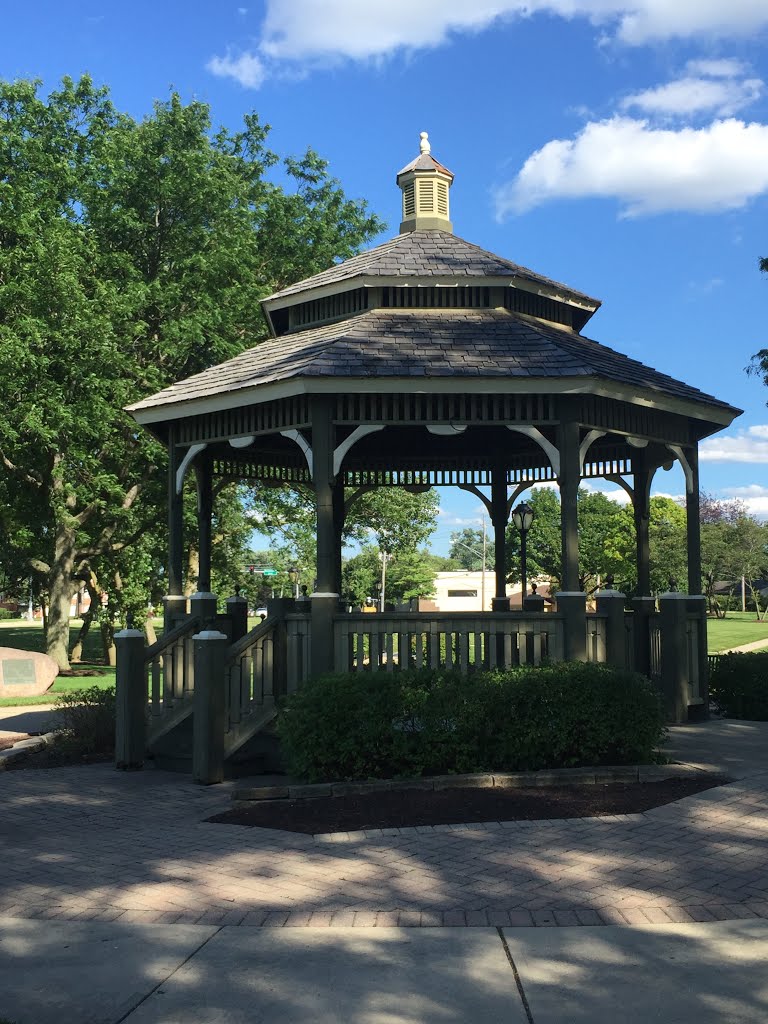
(429, 361)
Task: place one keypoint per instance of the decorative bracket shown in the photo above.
(242, 442)
(586, 444)
(181, 472)
(341, 450)
(617, 478)
(549, 449)
(678, 451)
(306, 447)
(446, 429)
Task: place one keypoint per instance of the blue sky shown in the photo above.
(620, 146)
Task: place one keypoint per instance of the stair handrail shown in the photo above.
(168, 639)
(257, 633)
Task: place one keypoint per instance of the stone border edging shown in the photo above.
(503, 780)
(22, 748)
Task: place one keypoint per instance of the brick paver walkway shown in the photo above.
(91, 843)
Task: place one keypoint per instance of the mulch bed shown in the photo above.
(410, 807)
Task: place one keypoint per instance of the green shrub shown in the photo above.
(739, 685)
(87, 718)
(383, 725)
(6, 614)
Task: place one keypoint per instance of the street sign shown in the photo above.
(269, 572)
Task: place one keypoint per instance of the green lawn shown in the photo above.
(735, 629)
(26, 636)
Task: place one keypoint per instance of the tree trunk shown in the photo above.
(149, 630)
(77, 650)
(60, 590)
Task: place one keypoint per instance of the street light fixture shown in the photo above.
(522, 517)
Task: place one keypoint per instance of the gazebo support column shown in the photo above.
(498, 512)
(569, 479)
(337, 499)
(174, 601)
(641, 505)
(204, 480)
(325, 598)
(693, 522)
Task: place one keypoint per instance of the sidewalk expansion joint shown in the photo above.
(518, 979)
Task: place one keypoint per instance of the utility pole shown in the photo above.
(383, 579)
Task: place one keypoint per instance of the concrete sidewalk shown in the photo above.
(192, 974)
(121, 902)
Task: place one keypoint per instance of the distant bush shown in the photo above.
(383, 725)
(5, 614)
(739, 686)
(87, 718)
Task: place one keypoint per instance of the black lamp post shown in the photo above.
(522, 517)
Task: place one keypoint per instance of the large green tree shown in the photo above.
(132, 253)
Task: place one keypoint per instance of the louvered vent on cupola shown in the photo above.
(425, 184)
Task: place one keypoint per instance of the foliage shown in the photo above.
(409, 574)
(739, 686)
(381, 725)
(606, 540)
(132, 253)
(88, 720)
(467, 549)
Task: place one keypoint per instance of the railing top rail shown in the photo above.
(170, 638)
(417, 617)
(257, 633)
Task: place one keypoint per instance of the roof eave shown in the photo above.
(718, 415)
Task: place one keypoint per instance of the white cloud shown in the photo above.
(327, 31)
(723, 67)
(247, 69)
(647, 169)
(750, 445)
(691, 95)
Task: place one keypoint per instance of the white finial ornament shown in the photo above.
(424, 145)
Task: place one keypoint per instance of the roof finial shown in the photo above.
(424, 145)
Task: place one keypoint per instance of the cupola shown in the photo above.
(425, 184)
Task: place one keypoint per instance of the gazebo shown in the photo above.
(428, 361)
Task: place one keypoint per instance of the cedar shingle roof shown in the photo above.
(427, 254)
(419, 343)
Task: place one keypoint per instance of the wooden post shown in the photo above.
(130, 700)
(570, 476)
(643, 608)
(673, 610)
(209, 724)
(500, 601)
(573, 607)
(325, 599)
(237, 610)
(641, 507)
(610, 603)
(693, 522)
(337, 502)
(204, 480)
(175, 517)
(203, 605)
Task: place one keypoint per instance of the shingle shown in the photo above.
(426, 254)
(430, 343)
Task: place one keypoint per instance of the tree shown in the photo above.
(467, 549)
(131, 254)
(410, 574)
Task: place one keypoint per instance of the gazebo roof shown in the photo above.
(511, 350)
(430, 254)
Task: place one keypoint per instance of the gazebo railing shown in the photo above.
(465, 642)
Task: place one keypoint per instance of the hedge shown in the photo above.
(739, 686)
(388, 724)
